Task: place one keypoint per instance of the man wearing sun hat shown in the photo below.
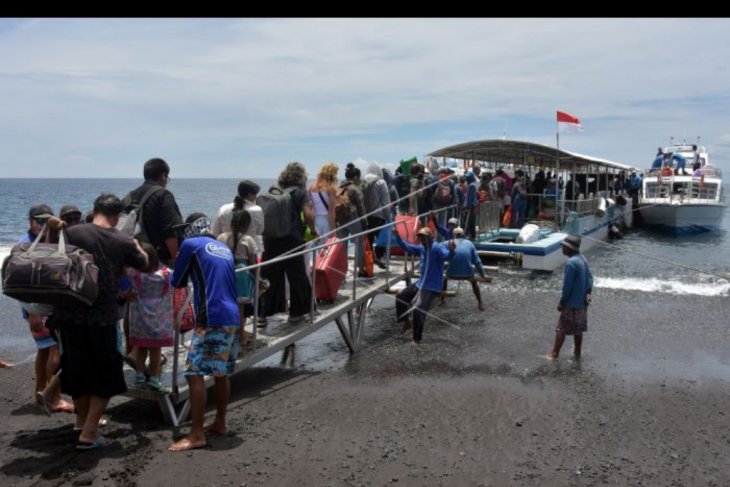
(576, 295)
(418, 296)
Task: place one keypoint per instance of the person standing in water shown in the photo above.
(575, 298)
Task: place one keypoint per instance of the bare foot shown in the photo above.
(187, 444)
(6, 365)
(215, 428)
(246, 338)
(549, 356)
(480, 306)
(62, 406)
(407, 326)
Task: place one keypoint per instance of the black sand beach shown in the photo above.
(473, 405)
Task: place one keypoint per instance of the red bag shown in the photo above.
(181, 296)
(369, 260)
(330, 270)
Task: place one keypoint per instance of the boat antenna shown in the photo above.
(504, 131)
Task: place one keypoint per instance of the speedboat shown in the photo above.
(680, 200)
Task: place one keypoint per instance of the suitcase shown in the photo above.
(408, 227)
(330, 270)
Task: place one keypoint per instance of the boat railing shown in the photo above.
(488, 216)
(683, 190)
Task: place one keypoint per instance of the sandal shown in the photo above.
(99, 442)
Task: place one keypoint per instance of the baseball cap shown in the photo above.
(69, 209)
(425, 231)
(40, 210)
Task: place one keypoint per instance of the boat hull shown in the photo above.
(682, 219)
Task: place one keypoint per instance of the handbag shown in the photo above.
(50, 273)
(182, 308)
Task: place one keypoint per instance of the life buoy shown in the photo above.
(667, 171)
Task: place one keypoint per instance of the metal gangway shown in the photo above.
(348, 312)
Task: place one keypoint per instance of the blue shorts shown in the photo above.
(213, 351)
(44, 341)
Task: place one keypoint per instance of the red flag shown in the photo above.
(569, 121)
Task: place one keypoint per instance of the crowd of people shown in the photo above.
(138, 273)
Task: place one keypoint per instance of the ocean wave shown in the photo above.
(653, 285)
(4, 251)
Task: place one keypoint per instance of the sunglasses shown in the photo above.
(40, 221)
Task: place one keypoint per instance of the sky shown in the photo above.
(235, 98)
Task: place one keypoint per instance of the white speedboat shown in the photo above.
(685, 201)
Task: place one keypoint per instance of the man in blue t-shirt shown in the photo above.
(575, 298)
(214, 346)
(418, 296)
(462, 262)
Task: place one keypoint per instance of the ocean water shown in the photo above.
(643, 261)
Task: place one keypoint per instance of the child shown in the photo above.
(243, 248)
(150, 317)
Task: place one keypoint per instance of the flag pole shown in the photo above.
(557, 173)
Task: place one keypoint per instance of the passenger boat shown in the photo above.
(679, 201)
(591, 211)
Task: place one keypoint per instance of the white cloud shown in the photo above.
(220, 96)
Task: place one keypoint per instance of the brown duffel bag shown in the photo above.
(50, 273)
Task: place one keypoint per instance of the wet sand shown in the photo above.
(473, 405)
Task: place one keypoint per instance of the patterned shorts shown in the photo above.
(213, 351)
(573, 321)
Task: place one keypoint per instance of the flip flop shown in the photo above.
(99, 442)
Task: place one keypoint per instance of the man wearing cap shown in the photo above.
(418, 296)
(574, 300)
(214, 346)
(70, 214)
(48, 357)
(445, 232)
(462, 262)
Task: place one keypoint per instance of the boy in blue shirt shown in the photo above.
(575, 298)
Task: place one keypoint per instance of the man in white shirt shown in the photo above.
(245, 199)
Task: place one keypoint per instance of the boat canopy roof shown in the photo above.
(520, 153)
